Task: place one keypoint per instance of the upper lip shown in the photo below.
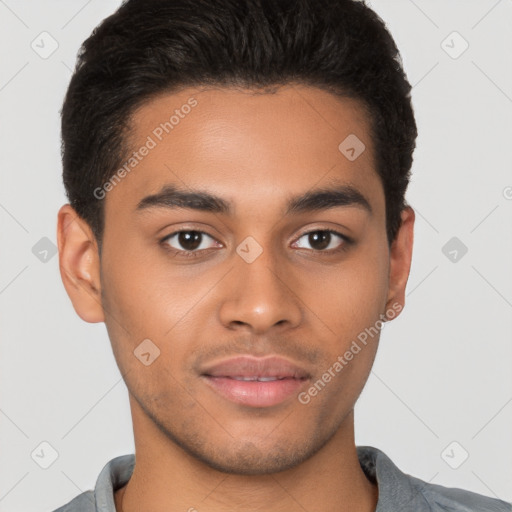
(251, 366)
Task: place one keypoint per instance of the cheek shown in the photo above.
(351, 297)
(141, 291)
(128, 299)
(152, 300)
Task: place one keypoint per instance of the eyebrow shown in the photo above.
(170, 196)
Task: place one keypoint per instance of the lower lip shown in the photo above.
(255, 393)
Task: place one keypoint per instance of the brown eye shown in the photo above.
(324, 240)
(188, 240)
(319, 240)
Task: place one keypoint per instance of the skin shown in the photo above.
(194, 448)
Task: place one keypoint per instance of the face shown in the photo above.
(234, 315)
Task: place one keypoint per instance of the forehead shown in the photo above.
(247, 147)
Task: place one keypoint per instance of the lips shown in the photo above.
(255, 382)
(259, 379)
(249, 366)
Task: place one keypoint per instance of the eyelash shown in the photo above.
(194, 254)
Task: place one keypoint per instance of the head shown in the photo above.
(236, 172)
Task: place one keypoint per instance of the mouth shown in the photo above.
(259, 379)
(255, 382)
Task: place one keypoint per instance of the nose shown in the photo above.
(260, 296)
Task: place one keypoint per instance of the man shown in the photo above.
(236, 171)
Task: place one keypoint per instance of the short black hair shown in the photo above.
(150, 47)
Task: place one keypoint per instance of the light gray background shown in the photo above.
(443, 371)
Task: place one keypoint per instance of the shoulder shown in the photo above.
(452, 499)
(401, 491)
(114, 475)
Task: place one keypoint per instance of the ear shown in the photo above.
(400, 262)
(79, 264)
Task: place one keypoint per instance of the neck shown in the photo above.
(166, 478)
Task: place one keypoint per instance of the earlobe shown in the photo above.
(400, 262)
(79, 264)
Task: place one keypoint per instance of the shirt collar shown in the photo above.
(113, 476)
(393, 484)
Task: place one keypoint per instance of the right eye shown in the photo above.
(188, 242)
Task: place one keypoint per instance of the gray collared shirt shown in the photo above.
(398, 491)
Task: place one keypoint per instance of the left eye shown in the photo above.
(322, 239)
